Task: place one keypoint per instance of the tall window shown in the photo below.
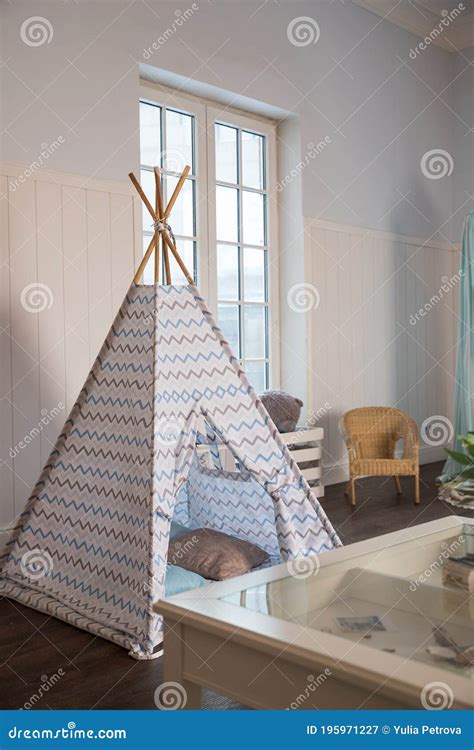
(241, 236)
(224, 221)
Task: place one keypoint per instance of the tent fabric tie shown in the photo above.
(162, 226)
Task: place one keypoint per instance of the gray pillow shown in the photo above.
(177, 530)
(214, 555)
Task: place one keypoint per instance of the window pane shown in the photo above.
(257, 374)
(150, 135)
(226, 153)
(182, 215)
(186, 252)
(179, 142)
(148, 184)
(228, 271)
(252, 160)
(228, 316)
(254, 274)
(253, 220)
(226, 214)
(254, 331)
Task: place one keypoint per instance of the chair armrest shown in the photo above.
(352, 445)
(353, 448)
(410, 440)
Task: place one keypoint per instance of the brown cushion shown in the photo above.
(214, 555)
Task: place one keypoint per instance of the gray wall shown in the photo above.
(353, 85)
(462, 102)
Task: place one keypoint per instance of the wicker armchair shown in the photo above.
(371, 435)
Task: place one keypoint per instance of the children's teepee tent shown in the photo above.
(91, 546)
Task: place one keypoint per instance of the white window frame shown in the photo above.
(206, 113)
(167, 98)
(227, 116)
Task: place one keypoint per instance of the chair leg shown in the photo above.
(353, 492)
(350, 490)
(399, 487)
(417, 489)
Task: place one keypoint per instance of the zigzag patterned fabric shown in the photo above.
(233, 503)
(91, 546)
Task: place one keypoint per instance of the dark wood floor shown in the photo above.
(98, 674)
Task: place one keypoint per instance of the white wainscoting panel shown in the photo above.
(69, 246)
(369, 348)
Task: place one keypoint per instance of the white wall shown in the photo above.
(462, 102)
(293, 261)
(353, 85)
(81, 240)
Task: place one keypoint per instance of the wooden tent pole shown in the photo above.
(159, 201)
(143, 196)
(163, 245)
(156, 275)
(166, 257)
(144, 261)
(176, 192)
(151, 246)
(158, 214)
(177, 257)
(166, 240)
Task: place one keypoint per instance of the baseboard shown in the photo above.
(336, 473)
(429, 454)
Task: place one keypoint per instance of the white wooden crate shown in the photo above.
(305, 448)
